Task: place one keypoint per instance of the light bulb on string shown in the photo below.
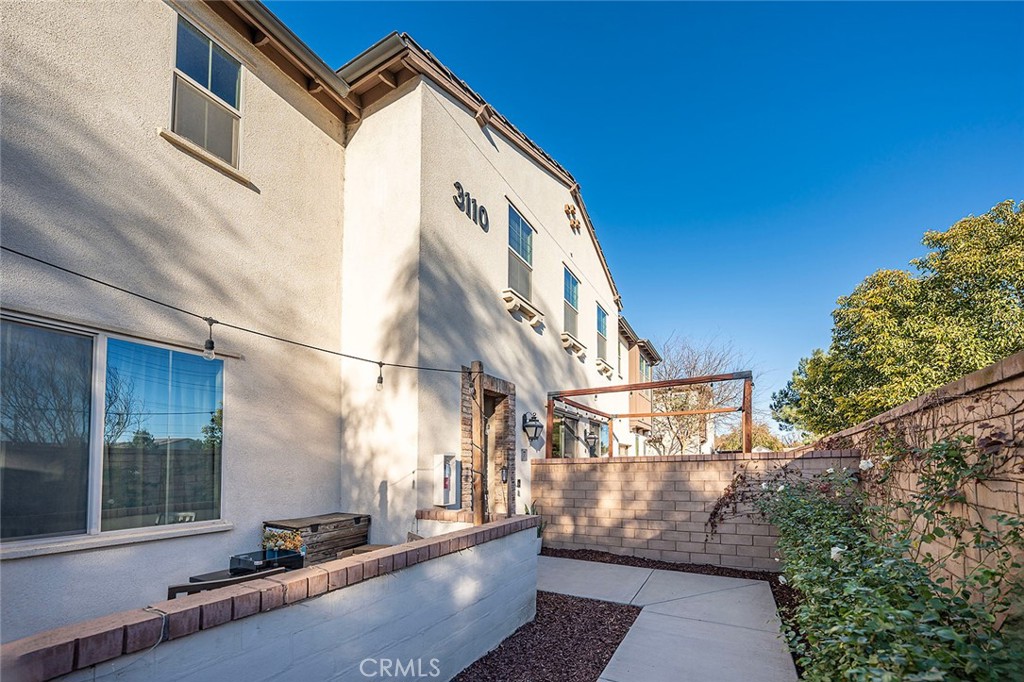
(208, 351)
(380, 376)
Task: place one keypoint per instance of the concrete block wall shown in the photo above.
(436, 604)
(986, 403)
(657, 507)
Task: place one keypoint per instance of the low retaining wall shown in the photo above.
(436, 604)
(657, 507)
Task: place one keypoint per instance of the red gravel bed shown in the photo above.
(571, 640)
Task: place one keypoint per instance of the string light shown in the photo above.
(209, 345)
(380, 377)
(208, 352)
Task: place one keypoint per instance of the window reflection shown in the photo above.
(45, 407)
(162, 437)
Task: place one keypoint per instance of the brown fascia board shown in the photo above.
(291, 47)
(647, 347)
(626, 331)
(401, 47)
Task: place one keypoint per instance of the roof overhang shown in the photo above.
(397, 58)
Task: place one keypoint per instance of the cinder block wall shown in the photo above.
(657, 507)
(988, 403)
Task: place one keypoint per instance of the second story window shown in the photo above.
(206, 87)
(520, 254)
(572, 303)
(602, 333)
(645, 369)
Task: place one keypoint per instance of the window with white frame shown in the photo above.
(206, 91)
(645, 369)
(602, 334)
(99, 433)
(571, 294)
(520, 254)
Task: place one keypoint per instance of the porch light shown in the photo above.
(591, 439)
(504, 474)
(532, 426)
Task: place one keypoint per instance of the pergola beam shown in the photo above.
(647, 385)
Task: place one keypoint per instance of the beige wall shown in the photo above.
(462, 271)
(87, 182)
(985, 404)
(380, 313)
(657, 507)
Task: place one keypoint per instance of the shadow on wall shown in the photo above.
(461, 318)
(78, 193)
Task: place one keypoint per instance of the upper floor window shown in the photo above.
(99, 434)
(602, 333)
(206, 88)
(520, 254)
(572, 303)
(645, 369)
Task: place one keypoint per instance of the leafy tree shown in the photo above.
(761, 436)
(213, 432)
(900, 334)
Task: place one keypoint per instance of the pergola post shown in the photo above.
(748, 415)
(550, 426)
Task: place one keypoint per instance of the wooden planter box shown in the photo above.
(327, 534)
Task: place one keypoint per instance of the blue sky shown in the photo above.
(744, 164)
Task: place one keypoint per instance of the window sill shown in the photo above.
(24, 549)
(514, 302)
(206, 157)
(571, 343)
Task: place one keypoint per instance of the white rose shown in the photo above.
(780, 488)
(764, 485)
(866, 464)
(830, 470)
(837, 552)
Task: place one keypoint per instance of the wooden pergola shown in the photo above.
(745, 408)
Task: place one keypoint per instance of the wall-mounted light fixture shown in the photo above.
(591, 439)
(532, 426)
(504, 474)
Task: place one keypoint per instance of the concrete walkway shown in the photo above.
(692, 627)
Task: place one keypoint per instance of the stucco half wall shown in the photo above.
(436, 605)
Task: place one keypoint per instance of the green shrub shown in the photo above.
(875, 606)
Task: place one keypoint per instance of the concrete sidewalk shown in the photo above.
(692, 627)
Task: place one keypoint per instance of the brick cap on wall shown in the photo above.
(53, 653)
(718, 457)
(452, 515)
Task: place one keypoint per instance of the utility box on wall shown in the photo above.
(447, 477)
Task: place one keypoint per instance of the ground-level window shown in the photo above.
(571, 294)
(99, 433)
(564, 436)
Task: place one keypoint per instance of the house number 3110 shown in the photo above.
(475, 212)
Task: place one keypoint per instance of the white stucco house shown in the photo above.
(200, 155)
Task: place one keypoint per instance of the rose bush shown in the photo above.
(874, 604)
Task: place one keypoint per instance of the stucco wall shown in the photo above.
(88, 183)
(436, 604)
(380, 304)
(462, 271)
